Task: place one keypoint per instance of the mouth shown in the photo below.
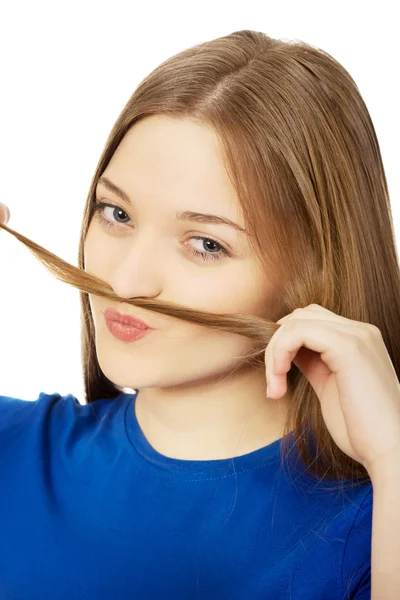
(114, 316)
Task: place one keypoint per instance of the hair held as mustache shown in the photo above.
(249, 326)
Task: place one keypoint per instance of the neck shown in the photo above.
(213, 420)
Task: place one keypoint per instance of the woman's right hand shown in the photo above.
(4, 213)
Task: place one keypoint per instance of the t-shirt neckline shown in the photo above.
(196, 468)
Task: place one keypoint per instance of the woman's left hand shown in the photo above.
(350, 370)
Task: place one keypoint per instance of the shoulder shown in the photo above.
(15, 411)
(48, 412)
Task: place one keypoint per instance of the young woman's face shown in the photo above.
(165, 167)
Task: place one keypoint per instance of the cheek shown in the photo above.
(95, 264)
(233, 290)
(99, 255)
(92, 252)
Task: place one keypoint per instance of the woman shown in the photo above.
(243, 177)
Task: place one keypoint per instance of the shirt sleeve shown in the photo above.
(364, 587)
(356, 570)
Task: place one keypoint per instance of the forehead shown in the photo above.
(177, 161)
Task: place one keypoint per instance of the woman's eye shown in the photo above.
(116, 212)
(212, 254)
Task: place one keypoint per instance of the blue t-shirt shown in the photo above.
(89, 510)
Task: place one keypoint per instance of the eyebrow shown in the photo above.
(187, 215)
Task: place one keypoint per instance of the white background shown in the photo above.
(67, 70)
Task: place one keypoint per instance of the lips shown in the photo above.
(113, 315)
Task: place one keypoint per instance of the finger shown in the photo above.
(4, 213)
(322, 336)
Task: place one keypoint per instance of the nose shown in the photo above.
(140, 272)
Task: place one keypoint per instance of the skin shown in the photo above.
(188, 405)
(4, 216)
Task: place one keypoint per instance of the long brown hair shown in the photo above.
(303, 156)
